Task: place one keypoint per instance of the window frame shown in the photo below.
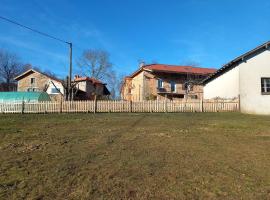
(32, 89)
(171, 84)
(160, 86)
(56, 89)
(264, 86)
(32, 82)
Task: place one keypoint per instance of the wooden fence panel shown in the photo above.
(121, 106)
(15, 107)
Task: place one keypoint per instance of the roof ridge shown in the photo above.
(237, 60)
(35, 70)
(171, 65)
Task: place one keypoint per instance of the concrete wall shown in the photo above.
(224, 86)
(251, 72)
(244, 80)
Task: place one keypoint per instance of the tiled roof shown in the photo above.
(93, 80)
(175, 69)
(179, 69)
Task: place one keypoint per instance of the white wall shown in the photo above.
(57, 84)
(251, 72)
(224, 86)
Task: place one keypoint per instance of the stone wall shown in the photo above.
(144, 86)
(41, 82)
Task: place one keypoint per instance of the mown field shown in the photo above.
(135, 156)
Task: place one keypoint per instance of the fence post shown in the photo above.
(239, 103)
(23, 107)
(61, 106)
(201, 104)
(130, 106)
(95, 104)
(166, 106)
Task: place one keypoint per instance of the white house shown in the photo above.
(246, 77)
(55, 89)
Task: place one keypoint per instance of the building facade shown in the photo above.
(87, 88)
(35, 81)
(246, 77)
(159, 82)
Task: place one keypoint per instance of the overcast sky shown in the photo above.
(207, 32)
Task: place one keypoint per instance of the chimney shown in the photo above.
(76, 76)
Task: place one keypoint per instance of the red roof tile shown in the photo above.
(175, 69)
(179, 69)
(93, 80)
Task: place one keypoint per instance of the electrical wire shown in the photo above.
(33, 30)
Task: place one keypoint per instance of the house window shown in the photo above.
(193, 96)
(173, 88)
(160, 83)
(32, 81)
(55, 90)
(265, 85)
(32, 90)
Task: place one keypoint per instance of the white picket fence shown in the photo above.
(121, 106)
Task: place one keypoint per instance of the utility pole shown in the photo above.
(69, 85)
(70, 72)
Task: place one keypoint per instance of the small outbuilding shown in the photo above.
(24, 96)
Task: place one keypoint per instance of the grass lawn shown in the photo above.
(135, 156)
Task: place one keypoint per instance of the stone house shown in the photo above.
(159, 81)
(34, 81)
(87, 88)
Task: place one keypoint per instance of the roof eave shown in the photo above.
(235, 62)
(174, 72)
(26, 72)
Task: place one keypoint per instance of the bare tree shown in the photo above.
(95, 63)
(50, 74)
(10, 67)
(114, 84)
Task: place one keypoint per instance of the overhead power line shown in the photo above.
(69, 92)
(33, 30)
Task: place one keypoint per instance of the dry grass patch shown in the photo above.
(135, 156)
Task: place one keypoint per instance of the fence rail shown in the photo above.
(121, 106)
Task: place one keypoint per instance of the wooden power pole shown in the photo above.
(70, 73)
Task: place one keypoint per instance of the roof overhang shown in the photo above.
(24, 74)
(174, 72)
(34, 71)
(136, 72)
(236, 62)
